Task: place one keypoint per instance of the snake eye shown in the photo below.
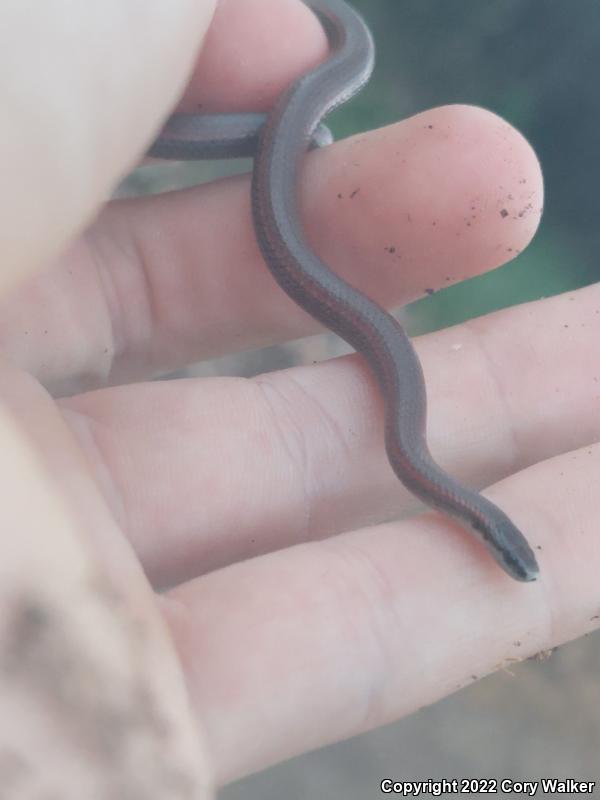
(481, 528)
(507, 544)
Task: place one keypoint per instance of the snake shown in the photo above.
(278, 141)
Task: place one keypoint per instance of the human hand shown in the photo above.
(315, 638)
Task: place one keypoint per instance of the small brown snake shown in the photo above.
(278, 142)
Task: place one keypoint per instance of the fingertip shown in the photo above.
(253, 50)
(503, 168)
(435, 199)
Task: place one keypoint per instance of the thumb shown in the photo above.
(84, 87)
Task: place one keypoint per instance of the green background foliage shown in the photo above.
(533, 63)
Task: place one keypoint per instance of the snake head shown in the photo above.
(506, 543)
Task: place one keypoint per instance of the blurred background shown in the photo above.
(534, 62)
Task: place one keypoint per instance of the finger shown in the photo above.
(326, 640)
(203, 473)
(168, 280)
(252, 51)
(61, 153)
